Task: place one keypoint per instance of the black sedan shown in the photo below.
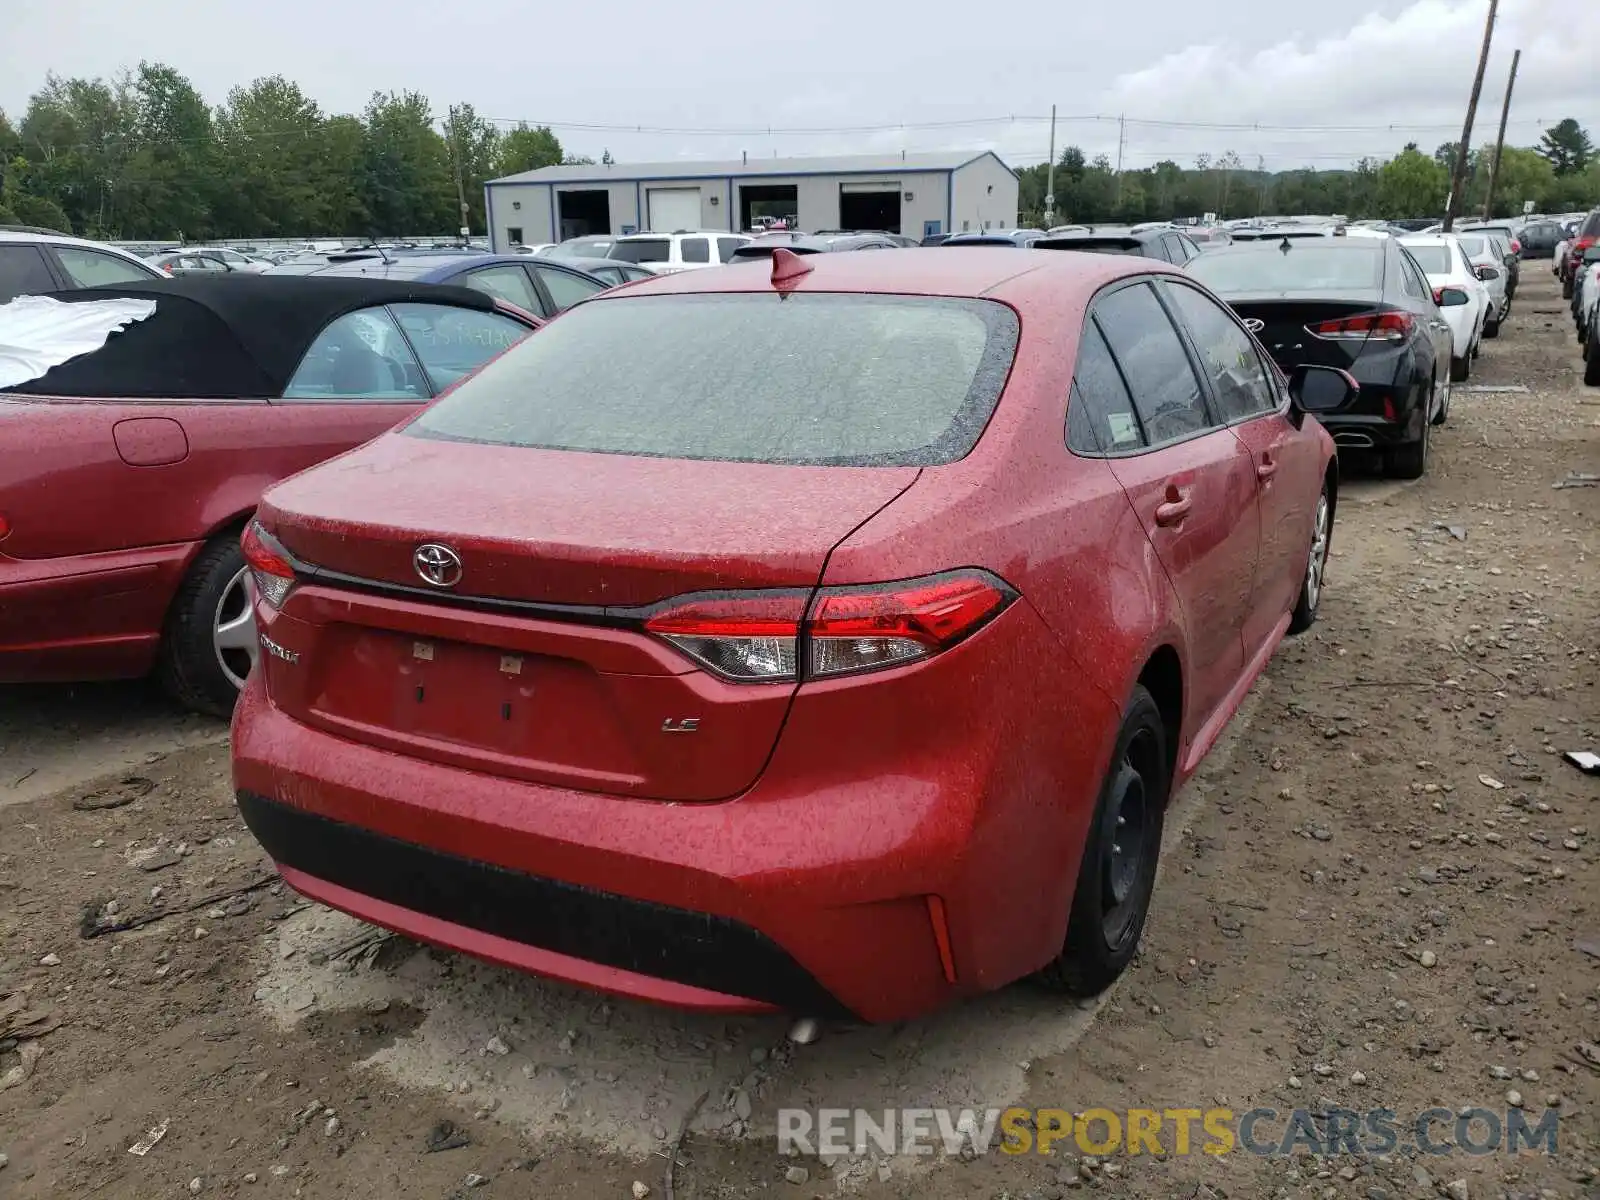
(1362, 304)
(995, 237)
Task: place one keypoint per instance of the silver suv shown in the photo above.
(41, 260)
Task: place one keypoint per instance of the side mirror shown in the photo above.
(1315, 389)
(1449, 297)
(1487, 273)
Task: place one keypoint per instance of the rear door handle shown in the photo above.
(1173, 510)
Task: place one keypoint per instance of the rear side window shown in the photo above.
(1100, 415)
(451, 342)
(88, 268)
(509, 283)
(726, 247)
(1239, 381)
(360, 356)
(23, 273)
(832, 379)
(642, 250)
(695, 250)
(566, 289)
(1146, 345)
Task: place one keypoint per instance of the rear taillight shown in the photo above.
(270, 568)
(1516, 246)
(765, 637)
(1391, 326)
(1389, 411)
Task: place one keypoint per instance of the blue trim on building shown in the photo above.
(488, 218)
(732, 228)
(950, 202)
(979, 158)
(638, 206)
(550, 189)
(669, 179)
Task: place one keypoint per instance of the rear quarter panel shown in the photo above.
(66, 489)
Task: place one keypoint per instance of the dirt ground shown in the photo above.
(1379, 893)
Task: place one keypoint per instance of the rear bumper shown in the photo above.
(90, 616)
(882, 865)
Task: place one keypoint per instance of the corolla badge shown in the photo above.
(437, 564)
(1254, 324)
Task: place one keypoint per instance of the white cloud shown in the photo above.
(1389, 78)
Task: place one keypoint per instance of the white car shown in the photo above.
(665, 253)
(1446, 265)
(1491, 268)
(38, 260)
(233, 259)
(535, 248)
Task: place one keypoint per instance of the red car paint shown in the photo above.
(107, 503)
(905, 836)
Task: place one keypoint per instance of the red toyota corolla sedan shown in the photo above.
(825, 638)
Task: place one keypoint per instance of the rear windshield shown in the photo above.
(1591, 227)
(1091, 246)
(838, 379)
(1473, 246)
(647, 250)
(1434, 260)
(589, 248)
(1306, 265)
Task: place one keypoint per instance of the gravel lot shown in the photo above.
(1380, 892)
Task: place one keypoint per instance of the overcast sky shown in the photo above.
(946, 76)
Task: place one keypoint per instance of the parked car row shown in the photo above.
(1582, 271)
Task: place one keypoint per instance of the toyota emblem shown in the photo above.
(1254, 324)
(437, 564)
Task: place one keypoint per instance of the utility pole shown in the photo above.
(1122, 129)
(1050, 176)
(1261, 169)
(1500, 141)
(1458, 177)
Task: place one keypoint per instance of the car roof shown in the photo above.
(237, 336)
(1321, 245)
(916, 271)
(433, 268)
(26, 234)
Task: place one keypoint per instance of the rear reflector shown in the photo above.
(1390, 326)
(765, 637)
(270, 568)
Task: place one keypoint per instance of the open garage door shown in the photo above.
(870, 206)
(768, 200)
(672, 209)
(581, 213)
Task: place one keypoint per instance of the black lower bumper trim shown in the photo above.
(696, 949)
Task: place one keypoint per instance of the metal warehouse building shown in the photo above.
(915, 194)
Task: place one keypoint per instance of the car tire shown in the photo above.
(1461, 368)
(1566, 289)
(1409, 460)
(1491, 329)
(208, 645)
(1591, 360)
(1118, 871)
(1312, 583)
(1443, 415)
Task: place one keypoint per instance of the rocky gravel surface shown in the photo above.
(1382, 894)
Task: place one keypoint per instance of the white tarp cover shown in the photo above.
(37, 333)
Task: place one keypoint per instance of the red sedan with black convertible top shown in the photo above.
(788, 639)
(127, 473)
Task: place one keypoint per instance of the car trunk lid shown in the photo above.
(533, 663)
(1283, 326)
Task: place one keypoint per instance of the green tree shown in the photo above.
(474, 145)
(528, 149)
(409, 186)
(171, 175)
(272, 145)
(1567, 147)
(1411, 185)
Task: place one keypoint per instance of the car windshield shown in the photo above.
(643, 250)
(1434, 260)
(1304, 267)
(834, 379)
